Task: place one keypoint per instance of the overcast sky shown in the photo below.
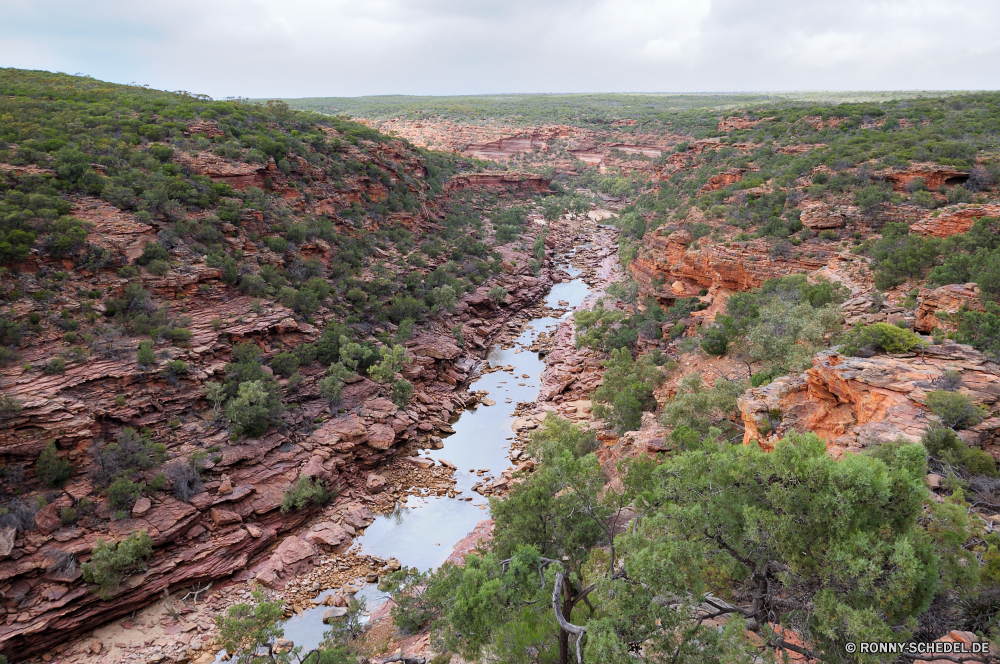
(318, 48)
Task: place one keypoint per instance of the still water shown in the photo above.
(423, 533)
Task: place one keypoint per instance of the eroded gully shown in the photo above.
(424, 533)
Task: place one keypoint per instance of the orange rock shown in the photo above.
(949, 299)
(953, 222)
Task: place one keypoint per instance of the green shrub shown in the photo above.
(627, 390)
(285, 364)
(981, 329)
(304, 491)
(715, 341)
(50, 468)
(128, 455)
(111, 563)
(256, 406)
(865, 340)
(56, 365)
(145, 355)
(498, 294)
(158, 268)
(402, 390)
(152, 251)
(955, 409)
(68, 516)
(174, 370)
(123, 492)
(161, 152)
(944, 445)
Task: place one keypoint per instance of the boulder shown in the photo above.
(419, 462)
(381, 435)
(225, 517)
(333, 614)
(315, 468)
(375, 483)
(330, 535)
(292, 558)
(141, 506)
(7, 535)
(359, 517)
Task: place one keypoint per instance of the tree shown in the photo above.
(392, 361)
(145, 355)
(50, 468)
(402, 390)
(111, 562)
(627, 390)
(254, 408)
(831, 549)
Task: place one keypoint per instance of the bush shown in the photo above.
(402, 390)
(627, 390)
(255, 407)
(955, 409)
(185, 476)
(130, 454)
(145, 355)
(285, 364)
(123, 492)
(498, 294)
(865, 340)
(174, 370)
(111, 563)
(158, 268)
(50, 468)
(304, 491)
(56, 365)
(944, 445)
(152, 251)
(981, 329)
(67, 516)
(715, 341)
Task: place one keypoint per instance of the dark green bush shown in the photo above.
(51, 468)
(866, 340)
(944, 445)
(304, 491)
(111, 563)
(285, 364)
(955, 409)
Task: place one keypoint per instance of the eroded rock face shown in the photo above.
(934, 176)
(820, 216)
(853, 403)
(949, 299)
(670, 257)
(526, 182)
(954, 221)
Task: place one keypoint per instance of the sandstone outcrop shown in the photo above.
(950, 299)
(933, 175)
(737, 122)
(670, 257)
(854, 403)
(524, 182)
(953, 221)
(819, 216)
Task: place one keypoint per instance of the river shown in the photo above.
(423, 533)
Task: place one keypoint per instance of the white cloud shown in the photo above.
(349, 47)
